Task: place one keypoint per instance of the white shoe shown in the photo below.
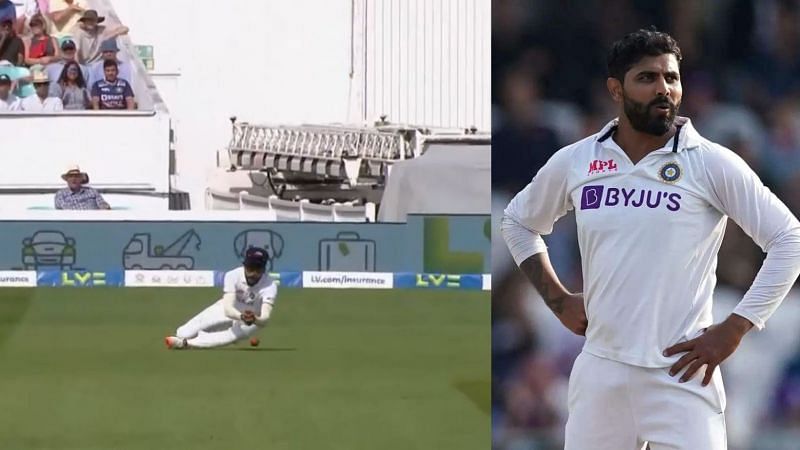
(175, 343)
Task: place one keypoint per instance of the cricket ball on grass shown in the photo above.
(254, 342)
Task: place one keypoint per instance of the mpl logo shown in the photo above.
(600, 166)
(593, 197)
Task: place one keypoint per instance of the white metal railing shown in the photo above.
(321, 142)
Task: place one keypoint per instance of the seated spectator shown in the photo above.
(8, 10)
(71, 88)
(12, 48)
(27, 10)
(109, 52)
(112, 92)
(64, 16)
(41, 101)
(20, 79)
(42, 48)
(8, 101)
(89, 34)
(77, 195)
(69, 53)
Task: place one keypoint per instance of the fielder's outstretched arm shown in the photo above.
(263, 316)
(228, 302)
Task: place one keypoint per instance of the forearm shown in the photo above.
(32, 61)
(61, 17)
(738, 325)
(541, 274)
(263, 317)
(231, 312)
(774, 280)
(101, 203)
(119, 31)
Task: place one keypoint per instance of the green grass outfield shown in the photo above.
(337, 369)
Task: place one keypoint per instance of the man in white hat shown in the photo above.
(40, 102)
(89, 34)
(77, 195)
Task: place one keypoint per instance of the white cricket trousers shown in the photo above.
(212, 328)
(617, 406)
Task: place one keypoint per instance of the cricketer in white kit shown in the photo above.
(651, 199)
(247, 301)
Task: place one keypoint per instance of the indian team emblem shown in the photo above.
(670, 172)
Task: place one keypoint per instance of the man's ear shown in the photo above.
(615, 89)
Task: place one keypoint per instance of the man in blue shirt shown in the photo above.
(112, 92)
(110, 50)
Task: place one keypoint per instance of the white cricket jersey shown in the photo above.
(249, 297)
(649, 234)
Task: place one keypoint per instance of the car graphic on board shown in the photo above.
(48, 248)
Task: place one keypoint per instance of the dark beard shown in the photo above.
(642, 120)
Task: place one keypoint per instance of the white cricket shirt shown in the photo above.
(649, 234)
(249, 297)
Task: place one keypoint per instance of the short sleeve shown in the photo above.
(96, 89)
(128, 90)
(58, 200)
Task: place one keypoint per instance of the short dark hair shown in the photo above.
(109, 63)
(629, 50)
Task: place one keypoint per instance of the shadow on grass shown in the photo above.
(256, 349)
(14, 303)
(478, 392)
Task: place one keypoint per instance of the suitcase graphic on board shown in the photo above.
(347, 253)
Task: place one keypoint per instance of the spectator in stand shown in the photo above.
(12, 48)
(112, 92)
(69, 53)
(27, 10)
(8, 101)
(8, 10)
(64, 16)
(41, 102)
(77, 195)
(20, 78)
(109, 52)
(43, 48)
(71, 88)
(89, 34)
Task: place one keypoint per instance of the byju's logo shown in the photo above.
(593, 197)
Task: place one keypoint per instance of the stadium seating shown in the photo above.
(290, 210)
(349, 164)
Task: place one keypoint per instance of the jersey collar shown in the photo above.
(688, 137)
